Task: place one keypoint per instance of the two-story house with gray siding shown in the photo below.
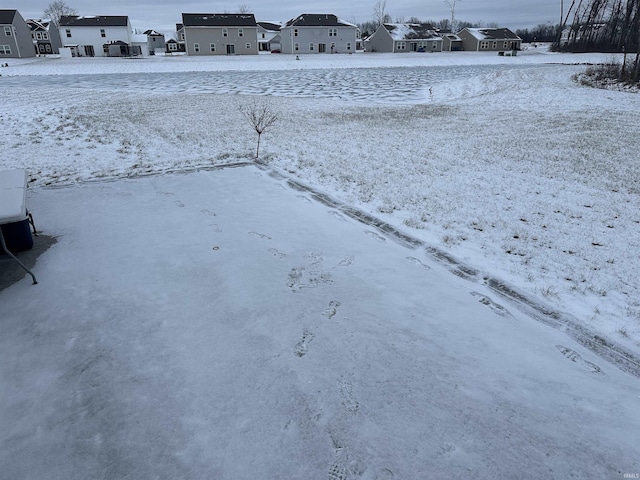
(220, 34)
(404, 37)
(45, 36)
(318, 33)
(15, 36)
(93, 36)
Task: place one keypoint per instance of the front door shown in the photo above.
(322, 48)
(231, 49)
(88, 51)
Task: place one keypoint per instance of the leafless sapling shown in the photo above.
(261, 116)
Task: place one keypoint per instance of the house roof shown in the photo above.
(411, 31)
(218, 20)
(493, 33)
(37, 24)
(271, 26)
(318, 20)
(94, 21)
(7, 16)
(153, 33)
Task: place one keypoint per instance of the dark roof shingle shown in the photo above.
(218, 20)
(93, 21)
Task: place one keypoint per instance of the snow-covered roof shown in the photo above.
(492, 33)
(411, 31)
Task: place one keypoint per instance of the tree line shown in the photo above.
(604, 26)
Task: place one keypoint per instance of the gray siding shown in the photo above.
(380, 41)
(471, 43)
(19, 41)
(205, 36)
(345, 40)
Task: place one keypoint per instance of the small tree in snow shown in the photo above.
(261, 116)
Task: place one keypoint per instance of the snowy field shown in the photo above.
(242, 323)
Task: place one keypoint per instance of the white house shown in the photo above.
(91, 36)
(269, 36)
(318, 33)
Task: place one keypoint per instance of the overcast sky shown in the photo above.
(162, 15)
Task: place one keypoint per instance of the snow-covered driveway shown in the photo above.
(221, 324)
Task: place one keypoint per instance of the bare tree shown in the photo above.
(261, 116)
(244, 9)
(452, 7)
(380, 14)
(57, 9)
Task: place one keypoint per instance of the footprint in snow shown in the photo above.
(577, 358)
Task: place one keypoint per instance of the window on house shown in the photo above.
(295, 32)
(484, 45)
(47, 47)
(182, 36)
(311, 46)
(495, 44)
(173, 47)
(68, 32)
(5, 50)
(505, 45)
(348, 45)
(7, 31)
(240, 32)
(196, 47)
(333, 32)
(263, 35)
(402, 46)
(212, 47)
(38, 35)
(45, 36)
(247, 45)
(296, 46)
(225, 32)
(41, 48)
(103, 33)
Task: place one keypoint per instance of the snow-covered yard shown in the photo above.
(236, 323)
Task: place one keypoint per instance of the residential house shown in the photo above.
(269, 37)
(220, 34)
(45, 36)
(96, 35)
(318, 33)
(450, 41)
(173, 46)
(155, 41)
(15, 36)
(404, 37)
(176, 45)
(489, 39)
